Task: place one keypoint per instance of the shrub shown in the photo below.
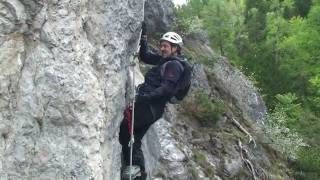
(185, 23)
(307, 166)
(283, 139)
(314, 89)
(202, 161)
(287, 103)
(204, 109)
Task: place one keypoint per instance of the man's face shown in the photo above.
(166, 49)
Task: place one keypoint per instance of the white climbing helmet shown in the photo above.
(173, 38)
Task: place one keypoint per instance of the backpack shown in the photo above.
(184, 82)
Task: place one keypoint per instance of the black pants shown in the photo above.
(143, 119)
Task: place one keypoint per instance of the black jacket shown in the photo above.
(161, 80)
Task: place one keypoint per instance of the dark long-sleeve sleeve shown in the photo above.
(146, 55)
(170, 77)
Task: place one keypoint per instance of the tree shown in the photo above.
(217, 22)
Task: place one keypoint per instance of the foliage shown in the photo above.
(314, 90)
(286, 103)
(309, 127)
(300, 50)
(301, 8)
(205, 109)
(285, 140)
(187, 25)
(202, 161)
(217, 23)
(308, 164)
(277, 43)
(221, 20)
(186, 22)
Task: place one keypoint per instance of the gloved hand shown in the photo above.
(144, 28)
(143, 33)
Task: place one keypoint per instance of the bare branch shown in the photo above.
(251, 139)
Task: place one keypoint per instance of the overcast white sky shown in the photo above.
(179, 2)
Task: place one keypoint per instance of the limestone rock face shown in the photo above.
(164, 159)
(63, 72)
(241, 91)
(158, 16)
(232, 85)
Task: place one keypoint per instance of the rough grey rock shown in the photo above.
(63, 73)
(199, 80)
(158, 16)
(164, 158)
(233, 166)
(234, 85)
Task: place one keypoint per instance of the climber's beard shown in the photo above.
(165, 53)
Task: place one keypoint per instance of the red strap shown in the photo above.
(128, 116)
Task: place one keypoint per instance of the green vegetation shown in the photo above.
(308, 164)
(194, 173)
(286, 114)
(204, 108)
(277, 43)
(202, 161)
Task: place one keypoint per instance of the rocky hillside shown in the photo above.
(218, 131)
(64, 75)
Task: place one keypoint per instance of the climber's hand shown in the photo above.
(143, 28)
(144, 31)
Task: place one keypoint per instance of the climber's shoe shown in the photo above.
(134, 171)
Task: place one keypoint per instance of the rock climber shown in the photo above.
(153, 94)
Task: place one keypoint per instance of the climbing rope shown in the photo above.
(132, 121)
(131, 129)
